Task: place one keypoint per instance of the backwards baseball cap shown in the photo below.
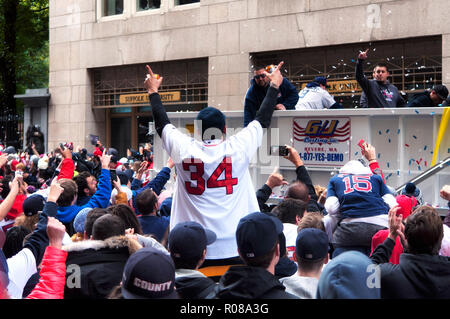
(441, 91)
(211, 118)
(189, 239)
(33, 204)
(257, 234)
(149, 274)
(321, 80)
(311, 244)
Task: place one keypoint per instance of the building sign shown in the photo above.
(346, 86)
(323, 142)
(173, 96)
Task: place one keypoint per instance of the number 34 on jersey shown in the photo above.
(197, 169)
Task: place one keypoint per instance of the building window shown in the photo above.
(112, 7)
(143, 5)
(182, 2)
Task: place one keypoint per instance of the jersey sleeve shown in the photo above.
(172, 140)
(327, 100)
(249, 139)
(383, 188)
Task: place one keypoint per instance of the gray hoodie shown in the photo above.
(378, 95)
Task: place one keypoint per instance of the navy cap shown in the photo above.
(33, 204)
(441, 91)
(211, 118)
(149, 274)
(189, 239)
(311, 244)
(321, 80)
(257, 234)
(411, 190)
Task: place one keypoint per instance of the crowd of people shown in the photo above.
(377, 92)
(87, 226)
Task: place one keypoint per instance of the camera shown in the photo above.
(279, 150)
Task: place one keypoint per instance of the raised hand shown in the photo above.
(152, 81)
(55, 232)
(275, 77)
(363, 54)
(55, 191)
(293, 156)
(105, 159)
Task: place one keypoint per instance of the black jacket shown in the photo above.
(94, 267)
(263, 194)
(421, 100)
(194, 287)
(245, 282)
(416, 276)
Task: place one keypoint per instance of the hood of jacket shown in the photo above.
(246, 282)
(66, 214)
(312, 85)
(114, 242)
(95, 267)
(428, 274)
(347, 276)
(192, 284)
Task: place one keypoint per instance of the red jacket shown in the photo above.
(53, 275)
(67, 169)
(16, 208)
(380, 237)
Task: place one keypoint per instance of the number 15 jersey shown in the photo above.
(359, 195)
(213, 185)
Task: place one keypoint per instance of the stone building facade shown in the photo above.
(94, 41)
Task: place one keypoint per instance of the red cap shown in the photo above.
(407, 204)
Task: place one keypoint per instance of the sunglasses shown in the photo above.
(262, 76)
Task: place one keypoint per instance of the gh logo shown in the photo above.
(316, 127)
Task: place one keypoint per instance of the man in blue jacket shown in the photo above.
(67, 209)
(286, 100)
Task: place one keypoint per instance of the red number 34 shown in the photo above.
(213, 181)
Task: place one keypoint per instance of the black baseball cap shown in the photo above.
(149, 274)
(441, 91)
(257, 233)
(211, 118)
(33, 204)
(311, 244)
(189, 239)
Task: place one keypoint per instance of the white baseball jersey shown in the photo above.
(213, 185)
(314, 98)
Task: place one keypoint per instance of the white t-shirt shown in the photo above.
(213, 185)
(314, 98)
(20, 268)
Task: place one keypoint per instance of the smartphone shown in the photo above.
(279, 150)
(62, 146)
(93, 139)
(113, 175)
(18, 173)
